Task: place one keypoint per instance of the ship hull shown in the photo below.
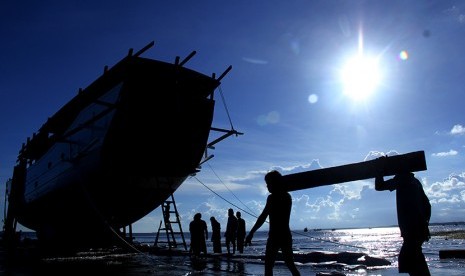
(115, 152)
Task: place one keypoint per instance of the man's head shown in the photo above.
(238, 214)
(273, 181)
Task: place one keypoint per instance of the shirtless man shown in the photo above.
(278, 208)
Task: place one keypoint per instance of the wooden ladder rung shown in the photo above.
(167, 227)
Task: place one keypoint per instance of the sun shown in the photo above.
(360, 77)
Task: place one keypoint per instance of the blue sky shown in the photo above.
(285, 92)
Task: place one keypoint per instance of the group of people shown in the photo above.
(234, 234)
(278, 209)
(413, 214)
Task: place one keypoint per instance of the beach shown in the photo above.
(382, 243)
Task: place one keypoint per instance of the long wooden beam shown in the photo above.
(411, 162)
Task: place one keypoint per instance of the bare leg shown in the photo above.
(270, 258)
(288, 256)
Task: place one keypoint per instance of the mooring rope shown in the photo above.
(224, 184)
(225, 106)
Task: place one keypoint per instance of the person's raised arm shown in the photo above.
(260, 220)
(380, 183)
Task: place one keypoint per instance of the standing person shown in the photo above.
(278, 208)
(413, 215)
(231, 232)
(199, 235)
(216, 235)
(240, 232)
(166, 215)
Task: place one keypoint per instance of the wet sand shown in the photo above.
(135, 264)
(118, 263)
(28, 262)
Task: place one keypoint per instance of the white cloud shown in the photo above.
(445, 153)
(255, 60)
(462, 195)
(453, 199)
(351, 204)
(456, 14)
(457, 130)
(375, 154)
(314, 165)
(450, 191)
(273, 117)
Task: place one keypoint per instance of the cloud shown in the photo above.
(348, 192)
(445, 153)
(457, 130)
(456, 14)
(314, 165)
(448, 192)
(376, 154)
(214, 207)
(272, 117)
(255, 61)
(249, 175)
(348, 205)
(334, 206)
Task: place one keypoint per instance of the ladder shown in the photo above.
(168, 223)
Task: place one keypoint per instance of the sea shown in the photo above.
(383, 243)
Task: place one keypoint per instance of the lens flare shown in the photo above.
(403, 55)
(313, 98)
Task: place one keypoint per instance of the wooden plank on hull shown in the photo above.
(411, 162)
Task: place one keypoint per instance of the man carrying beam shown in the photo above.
(413, 215)
(413, 207)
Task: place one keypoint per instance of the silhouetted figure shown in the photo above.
(216, 235)
(231, 232)
(166, 215)
(413, 215)
(240, 232)
(278, 208)
(199, 235)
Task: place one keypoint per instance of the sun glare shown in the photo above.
(360, 77)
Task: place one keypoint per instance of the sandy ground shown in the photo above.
(144, 264)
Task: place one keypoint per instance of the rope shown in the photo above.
(224, 198)
(228, 188)
(225, 107)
